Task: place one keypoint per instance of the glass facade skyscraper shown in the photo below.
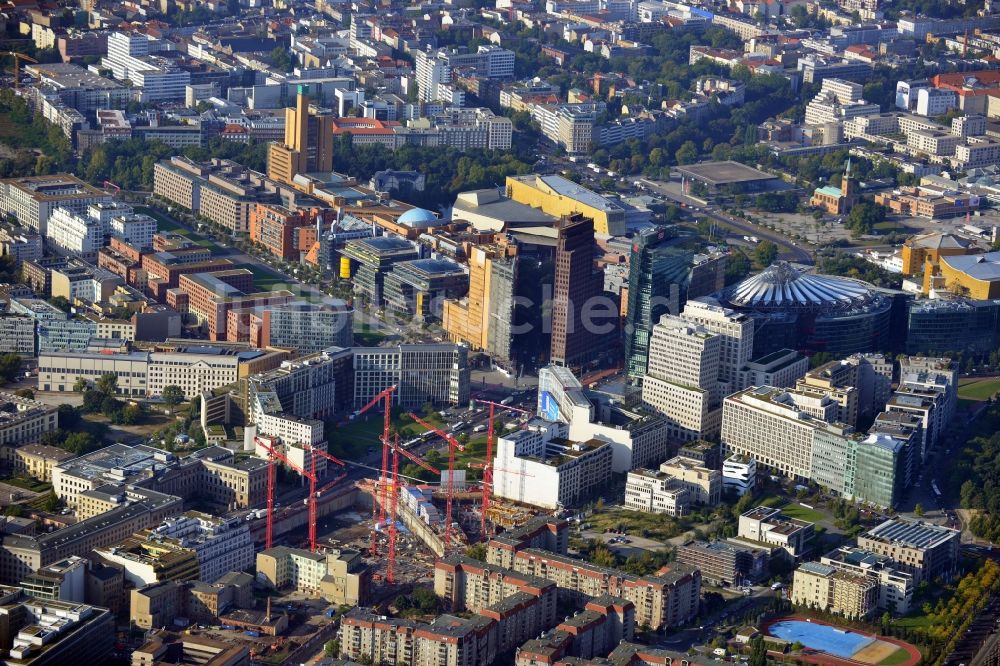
(940, 326)
(659, 271)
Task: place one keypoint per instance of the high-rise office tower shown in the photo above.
(658, 278)
(682, 379)
(578, 316)
(308, 144)
(737, 331)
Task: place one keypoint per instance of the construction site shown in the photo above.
(410, 520)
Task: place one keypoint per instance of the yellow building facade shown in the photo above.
(558, 197)
(467, 319)
(975, 276)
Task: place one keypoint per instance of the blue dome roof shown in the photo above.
(419, 217)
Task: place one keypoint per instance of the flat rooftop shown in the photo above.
(911, 533)
(724, 173)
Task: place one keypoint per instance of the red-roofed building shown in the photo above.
(368, 131)
(972, 88)
(236, 133)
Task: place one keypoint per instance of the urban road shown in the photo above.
(789, 250)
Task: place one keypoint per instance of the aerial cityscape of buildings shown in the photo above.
(563, 333)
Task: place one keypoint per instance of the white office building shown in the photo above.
(739, 474)
(221, 544)
(935, 101)
(74, 234)
(540, 467)
(681, 382)
(137, 229)
(32, 200)
(652, 491)
(131, 58)
(736, 330)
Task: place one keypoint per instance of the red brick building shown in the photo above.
(276, 228)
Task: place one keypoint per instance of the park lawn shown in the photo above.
(369, 338)
(900, 656)
(917, 621)
(648, 525)
(28, 483)
(802, 513)
(353, 439)
(263, 279)
(978, 389)
(771, 501)
(163, 223)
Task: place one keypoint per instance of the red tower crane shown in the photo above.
(449, 497)
(390, 573)
(272, 455)
(378, 508)
(331, 458)
(488, 469)
(390, 570)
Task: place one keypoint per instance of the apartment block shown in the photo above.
(767, 525)
(50, 631)
(824, 588)
(518, 603)
(895, 588)
(923, 550)
(539, 466)
(669, 598)
(598, 629)
(704, 485)
(543, 532)
(33, 199)
(656, 492)
(365, 635)
(220, 545)
(208, 298)
(723, 563)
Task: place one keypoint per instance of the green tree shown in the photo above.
(80, 385)
(14, 511)
(477, 552)
(758, 652)
(10, 367)
(765, 253)
(107, 384)
(332, 648)
(173, 395)
(918, 510)
(25, 393)
(687, 153)
(61, 302)
(864, 216)
(280, 58)
(52, 502)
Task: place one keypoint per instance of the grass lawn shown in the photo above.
(919, 621)
(163, 223)
(264, 279)
(802, 513)
(28, 483)
(771, 501)
(900, 656)
(368, 338)
(650, 526)
(978, 389)
(352, 440)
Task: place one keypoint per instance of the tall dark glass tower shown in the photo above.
(658, 277)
